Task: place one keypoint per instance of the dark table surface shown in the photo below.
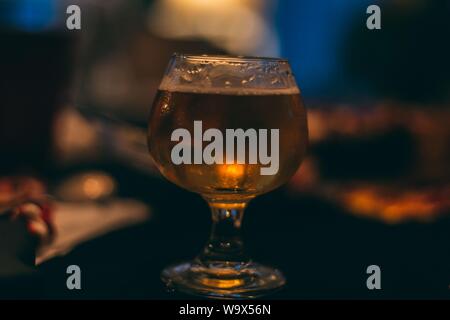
(322, 250)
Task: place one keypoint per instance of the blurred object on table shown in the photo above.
(79, 222)
(25, 198)
(16, 189)
(26, 222)
(55, 228)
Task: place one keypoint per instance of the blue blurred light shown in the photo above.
(312, 34)
(30, 15)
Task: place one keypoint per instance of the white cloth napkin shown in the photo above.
(78, 222)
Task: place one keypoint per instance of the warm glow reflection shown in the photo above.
(394, 207)
(222, 284)
(232, 171)
(232, 174)
(92, 188)
(97, 185)
(88, 186)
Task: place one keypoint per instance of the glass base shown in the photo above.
(225, 280)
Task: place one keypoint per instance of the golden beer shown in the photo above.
(229, 129)
(257, 109)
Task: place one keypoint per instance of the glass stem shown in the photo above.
(225, 247)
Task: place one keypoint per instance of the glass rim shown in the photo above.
(220, 57)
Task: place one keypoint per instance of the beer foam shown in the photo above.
(168, 85)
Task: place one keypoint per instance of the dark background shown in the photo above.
(378, 115)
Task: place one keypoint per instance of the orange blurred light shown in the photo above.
(396, 206)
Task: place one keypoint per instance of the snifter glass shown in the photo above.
(200, 99)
